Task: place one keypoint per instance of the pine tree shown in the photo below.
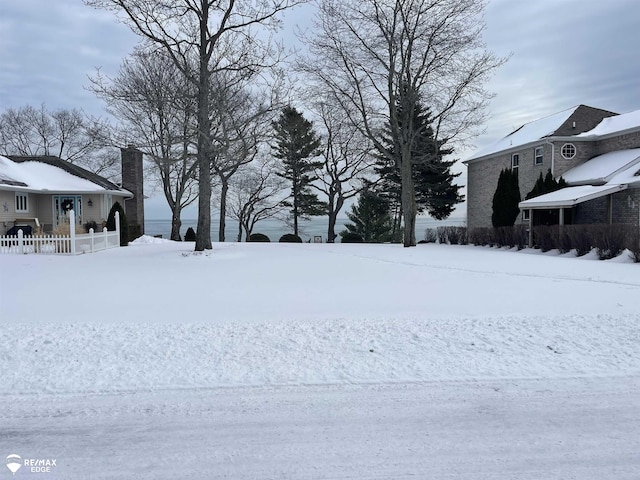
(434, 190)
(544, 185)
(370, 217)
(506, 199)
(296, 145)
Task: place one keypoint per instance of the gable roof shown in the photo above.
(615, 125)
(52, 175)
(603, 168)
(559, 124)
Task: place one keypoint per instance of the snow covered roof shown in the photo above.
(618, 123)
(35, 174)
(603, 168)
(527, 133)
(602, 175)
(570, 196)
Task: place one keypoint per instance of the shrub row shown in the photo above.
(286, 238)
(608, 240)
(450, 234)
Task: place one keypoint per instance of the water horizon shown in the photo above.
(274, 228)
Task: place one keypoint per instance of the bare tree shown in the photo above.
(67, 134)
(241, 123)
(346, 160)
(156, 107)
(374, 56)
(256, 194)
(191, 33)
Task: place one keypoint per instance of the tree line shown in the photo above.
(383, 94)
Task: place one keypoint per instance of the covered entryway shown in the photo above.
(562, 201)
(62, 205)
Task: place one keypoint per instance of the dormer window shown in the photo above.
(515, 160)
(538, 155)
(568, 151)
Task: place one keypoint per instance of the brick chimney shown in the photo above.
(132, 180)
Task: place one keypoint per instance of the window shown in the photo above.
(568, 151)
(515, 160)
(525, 215)
(22, 203)
(539, 155)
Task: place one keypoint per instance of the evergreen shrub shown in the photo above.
(111, 223)
(290, 238)
(350, 237)
(190, 235)
(259, 237)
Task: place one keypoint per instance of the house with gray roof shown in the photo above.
(597, 152)
(38, 192)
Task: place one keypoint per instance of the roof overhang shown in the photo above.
(570, 196)
(16, 188)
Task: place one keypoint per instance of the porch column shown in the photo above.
(561, 216)
(530, 228)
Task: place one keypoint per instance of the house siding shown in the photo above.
(592, 211)
(620, 142)
(584, 151)
(626, 207)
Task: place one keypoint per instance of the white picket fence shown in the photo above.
(72, 244)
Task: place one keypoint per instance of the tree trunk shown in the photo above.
(176, 223)
(223, 209)
(240, 231)
(203, 235)
(295, 211)
(334, 208)
(408, 199)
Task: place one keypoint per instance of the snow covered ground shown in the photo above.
(321, 361)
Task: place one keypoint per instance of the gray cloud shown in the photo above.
(49, 48)
(564, 53)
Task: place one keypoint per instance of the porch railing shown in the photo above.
(71, 244)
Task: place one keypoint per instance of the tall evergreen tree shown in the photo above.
(296, 145)
(370, 217)
(506, 199)
(434, 190)
(544, 185)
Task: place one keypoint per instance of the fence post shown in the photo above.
(91, 233)
(118, 226)
(106, 238)
(20, 242)
(72, 231)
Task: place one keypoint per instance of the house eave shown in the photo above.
(17, 188)
(531, 204)
(536, 143)
(545, 140)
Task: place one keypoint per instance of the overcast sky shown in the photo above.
(564, 53)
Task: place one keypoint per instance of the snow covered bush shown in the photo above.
(610, 240)
(430, 235)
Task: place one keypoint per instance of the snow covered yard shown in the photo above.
(303, 361)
